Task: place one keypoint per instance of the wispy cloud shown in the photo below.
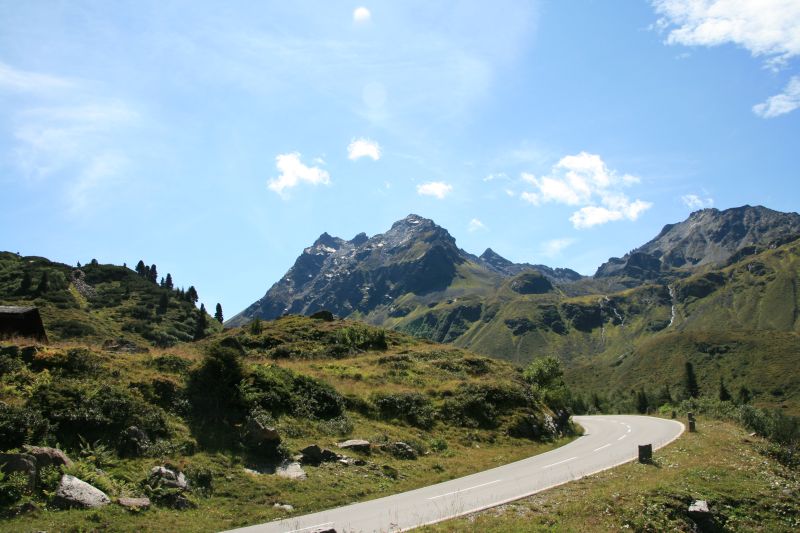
(26, 81)
(362, 147)
(439, 189)
(766, 28)
(782, 103)
(584, 180)
(293, 172)
(554, 247)
(694, 201)
(361, 15)
(476, 225)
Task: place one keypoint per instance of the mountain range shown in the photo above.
(719, 282)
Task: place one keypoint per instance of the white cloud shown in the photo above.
(497, 176)
(584, 180)
(782, 103)
(554, 247)
(768, 28)
(693, 201)
(361, 15)
(21, 80)
(476, 225)
(439, 189)
(359, 148)
(294, 172)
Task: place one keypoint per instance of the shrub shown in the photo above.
(12, 488)
(213, 388)
(482, 405)
(171, 363)
(410, 407)
(72, 328)
(361, 337)
(281, 391)
(21, 425)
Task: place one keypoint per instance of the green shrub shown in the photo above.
(482, 405)
(171, 363)
(21, 425)
(73, 362)
(280, 391)
(213, 388)
(12, 488)
(361, 337)
(410, 407)
(68, 328)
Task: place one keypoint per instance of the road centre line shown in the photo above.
(560, 462)
(601, 447)
(622, 437)
(464, 490)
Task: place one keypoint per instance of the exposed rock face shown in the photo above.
(134, 503)
(48, 456)
(357, 445)
(290, 470)
(73, 492)
(500, 264)
(261, 438)
(708, 236)
(401, 450)
(161, 475)
(531, 282)
(24, 463)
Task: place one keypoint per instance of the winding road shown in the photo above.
(609, 440)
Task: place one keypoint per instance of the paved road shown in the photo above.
(608, 442)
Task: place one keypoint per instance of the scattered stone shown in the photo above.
(699, 509)
(260, 437)
(73, 492)
(290, 470)
(284, 507)
(357, 445)
(123, 346)
(47, 456)
(311, 455)
(134, 503)
(19, 462)
(168, 478)
(401, 450)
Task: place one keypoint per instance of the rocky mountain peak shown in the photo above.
(328, 241)
(492, 257)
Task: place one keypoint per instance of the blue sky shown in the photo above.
(217, 140)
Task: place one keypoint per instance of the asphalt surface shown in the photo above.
(609, 441)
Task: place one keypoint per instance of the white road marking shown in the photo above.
(464, 490)
(310, 527)
(560, 462)
(601, 447)
(622, 437)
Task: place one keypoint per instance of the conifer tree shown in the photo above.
(200, 328)
(690, 381)
(191, 294)
(664, 396)
(163, 303)
(743, 396)
(25, 285)
(724, 395)
(94, 262)
(44, 284)
(141, 269)
(153, 274)
(641, 402)
(218, 313)
(255, 326)
(162, 283)
(79, 264)
(168, 281)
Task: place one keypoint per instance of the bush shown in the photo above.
(214, 388)
(360, 337)
(482, 405)
(171, 363)
(75, 362)
(21, 425)
(410, 407)
(72, 328)
(281, 391)
(12, 488)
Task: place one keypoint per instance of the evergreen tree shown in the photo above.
(163, 303)
(79, 264)
(94, 262)
(724, 395)
(690, 381)
(641, 402)
(218, 314)
(743, 396)
(153, 274)
(162, 283)
(26, 283)
(44, 284)
(202, 323)
(141, 269)
(191, 294)
(664, 396)
(168, 281)
(255, 326)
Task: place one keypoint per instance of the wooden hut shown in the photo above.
(21, 322)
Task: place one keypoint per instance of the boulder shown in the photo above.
(699, 509)
(134, 503)
(401, 450)
(284, 507)
(73, 492)
(355, 445)
(161, 475)
(262, 438)
(48, 456)
(290, 470)
(311, 455)
(24, 463)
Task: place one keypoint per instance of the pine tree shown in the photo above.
(191, 294)
(690, 381)
(141, 269)
(153, 274)
(218, 314)
(743, 396)
(79, 264)
(162, 283)
(26, 283)
(202, 322)
(255, 326)
(641, 402)
(94, 262)
(664, 396)
(168, 281)
(44, 284)
(724, 395)
(163, 303)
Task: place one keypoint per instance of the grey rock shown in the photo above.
(311, 454)
(357, 445)
(290, 470)
(24, 463)
(73, 492)
(259, 436)
(168, 478)
(401, 450)
(47, 456)
(134, 503)
(699, 508)
(284, 507)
